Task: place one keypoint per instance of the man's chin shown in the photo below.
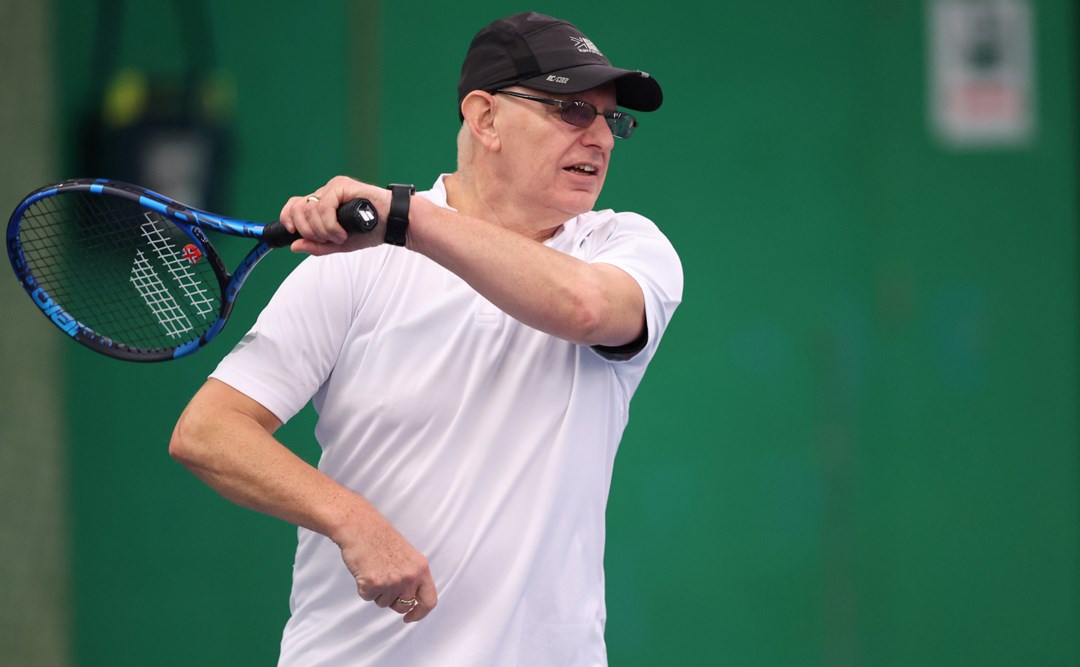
(583, 203)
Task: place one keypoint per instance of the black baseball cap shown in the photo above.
(549, 55)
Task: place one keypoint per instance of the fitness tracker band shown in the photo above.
(397, 223)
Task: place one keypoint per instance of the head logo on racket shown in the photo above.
(191, 253)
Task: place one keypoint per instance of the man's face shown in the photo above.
(550, 162)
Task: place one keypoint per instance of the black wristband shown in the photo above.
(397, 223)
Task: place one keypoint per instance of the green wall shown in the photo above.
(858, 445)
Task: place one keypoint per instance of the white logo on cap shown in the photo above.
(585, 45)
(558, 79)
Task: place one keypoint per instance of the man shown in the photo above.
(472, 361)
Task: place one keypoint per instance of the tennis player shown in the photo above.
(472, 362)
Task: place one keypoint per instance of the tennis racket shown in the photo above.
(130, 273)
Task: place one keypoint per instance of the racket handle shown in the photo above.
(357, 216)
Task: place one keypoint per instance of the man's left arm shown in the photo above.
(585, 303)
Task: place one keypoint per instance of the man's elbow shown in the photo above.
(598, 320)
(188, 444)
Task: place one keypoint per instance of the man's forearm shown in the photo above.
(589, 304)
(233, 450)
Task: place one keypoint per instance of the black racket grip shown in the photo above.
(357, 216)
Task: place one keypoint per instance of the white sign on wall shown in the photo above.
(981, 62)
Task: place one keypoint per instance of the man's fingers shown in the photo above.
(321, 229)
(426, 599)
(290, 212)
(386, 599)
(315, 218)
(324, 213)
(403, 604)
(364, 593)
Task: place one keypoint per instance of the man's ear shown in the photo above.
(478, 108)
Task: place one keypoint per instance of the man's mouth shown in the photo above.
(584, 169)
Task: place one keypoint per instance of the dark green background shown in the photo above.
(858, 443)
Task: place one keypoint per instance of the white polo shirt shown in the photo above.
(488, 444)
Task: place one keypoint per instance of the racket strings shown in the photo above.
(120, 269)
(178, 266)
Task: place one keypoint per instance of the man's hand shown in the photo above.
(315, 217)
(388, 570)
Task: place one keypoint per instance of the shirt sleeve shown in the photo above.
(292, 348)
(634, 244)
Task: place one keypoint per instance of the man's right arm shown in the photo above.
(226, 439)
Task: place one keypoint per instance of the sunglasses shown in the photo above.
(580, 113)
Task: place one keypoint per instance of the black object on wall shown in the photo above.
(167, 132)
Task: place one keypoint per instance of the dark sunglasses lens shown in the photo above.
(579, 113)
(622, 124)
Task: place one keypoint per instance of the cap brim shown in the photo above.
(633, 89)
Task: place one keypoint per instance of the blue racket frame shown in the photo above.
(191, 220)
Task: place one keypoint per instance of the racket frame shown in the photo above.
(191, 220)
